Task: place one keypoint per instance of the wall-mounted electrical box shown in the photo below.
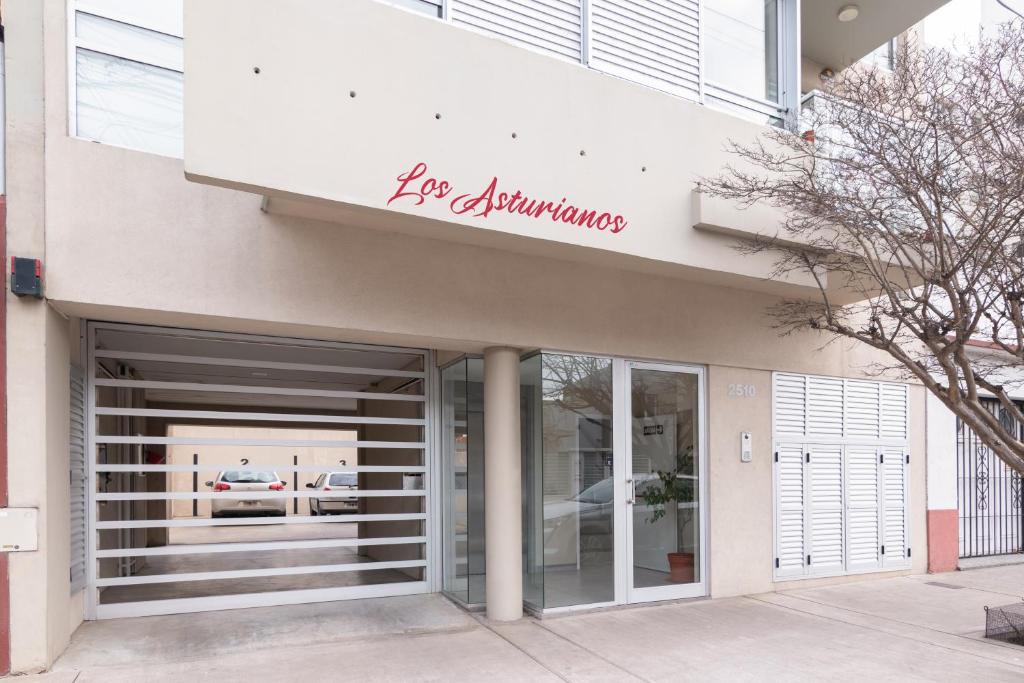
(746, 447)
(27, 277)
(18, 529)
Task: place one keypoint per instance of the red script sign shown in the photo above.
(417, 186)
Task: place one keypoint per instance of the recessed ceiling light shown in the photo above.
(848, 13)
(260, 374)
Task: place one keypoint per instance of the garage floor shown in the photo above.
(920, 628)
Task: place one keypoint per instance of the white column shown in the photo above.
(941, 455)
(503, 484)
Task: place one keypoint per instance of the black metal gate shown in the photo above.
(989, 496)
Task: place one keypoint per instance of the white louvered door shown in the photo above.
(554, 27)
(654, 42)
(789, 511)
(863, 541)
(77, 479)
(825, 503)
(840, 496)
(894, 507)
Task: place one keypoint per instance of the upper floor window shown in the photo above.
(127, 84)
(742, 46)
(883, 56)
(744, 54)
(433, 8)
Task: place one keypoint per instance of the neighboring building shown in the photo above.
(459, 235)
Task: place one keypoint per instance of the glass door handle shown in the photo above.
(630, 492)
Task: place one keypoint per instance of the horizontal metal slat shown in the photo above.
(213, 441)
(244, 389)
(260, 495)
(211, 548)
(256, 573)
(260, 417)
(411, 469)
(257, 521)
(120, 610)
(262, 364)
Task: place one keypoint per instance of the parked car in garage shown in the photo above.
(247, 480)
(334, 481)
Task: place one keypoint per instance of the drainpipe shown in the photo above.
(503, 485)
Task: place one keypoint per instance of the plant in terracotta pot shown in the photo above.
(665, 493)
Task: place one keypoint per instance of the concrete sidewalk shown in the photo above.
(926, 628)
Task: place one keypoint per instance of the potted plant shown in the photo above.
(669, 489)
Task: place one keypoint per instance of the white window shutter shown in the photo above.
(825, 516)
(654, 42)
(790, 405)
(789, 511)
(893, 466)
(862, 405)
(894, 411)
(77, 464)
(824, 407)
(863, 540)
(551, 26)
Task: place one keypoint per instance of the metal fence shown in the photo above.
(989, 495)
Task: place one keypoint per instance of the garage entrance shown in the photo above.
(237, 471)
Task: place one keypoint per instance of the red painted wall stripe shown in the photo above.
(943, 540)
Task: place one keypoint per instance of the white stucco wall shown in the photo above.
(941, 434)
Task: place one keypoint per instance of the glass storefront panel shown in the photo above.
(569, 543)
(463, 453)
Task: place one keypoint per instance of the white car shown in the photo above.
(248, 480)
(334, 481)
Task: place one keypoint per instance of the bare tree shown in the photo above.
(903, 201)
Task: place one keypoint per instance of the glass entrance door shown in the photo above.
(664, 470)
(613, 481)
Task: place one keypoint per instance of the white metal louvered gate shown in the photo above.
(77, 480)
(840, 476)
(169, 407)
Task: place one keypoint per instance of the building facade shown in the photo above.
(311, 270)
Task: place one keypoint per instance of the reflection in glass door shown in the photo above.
(663, 470)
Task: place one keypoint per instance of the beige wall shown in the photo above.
(126, 237)
(601, 142)
(39, 340)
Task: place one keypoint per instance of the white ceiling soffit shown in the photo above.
(836, 44)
